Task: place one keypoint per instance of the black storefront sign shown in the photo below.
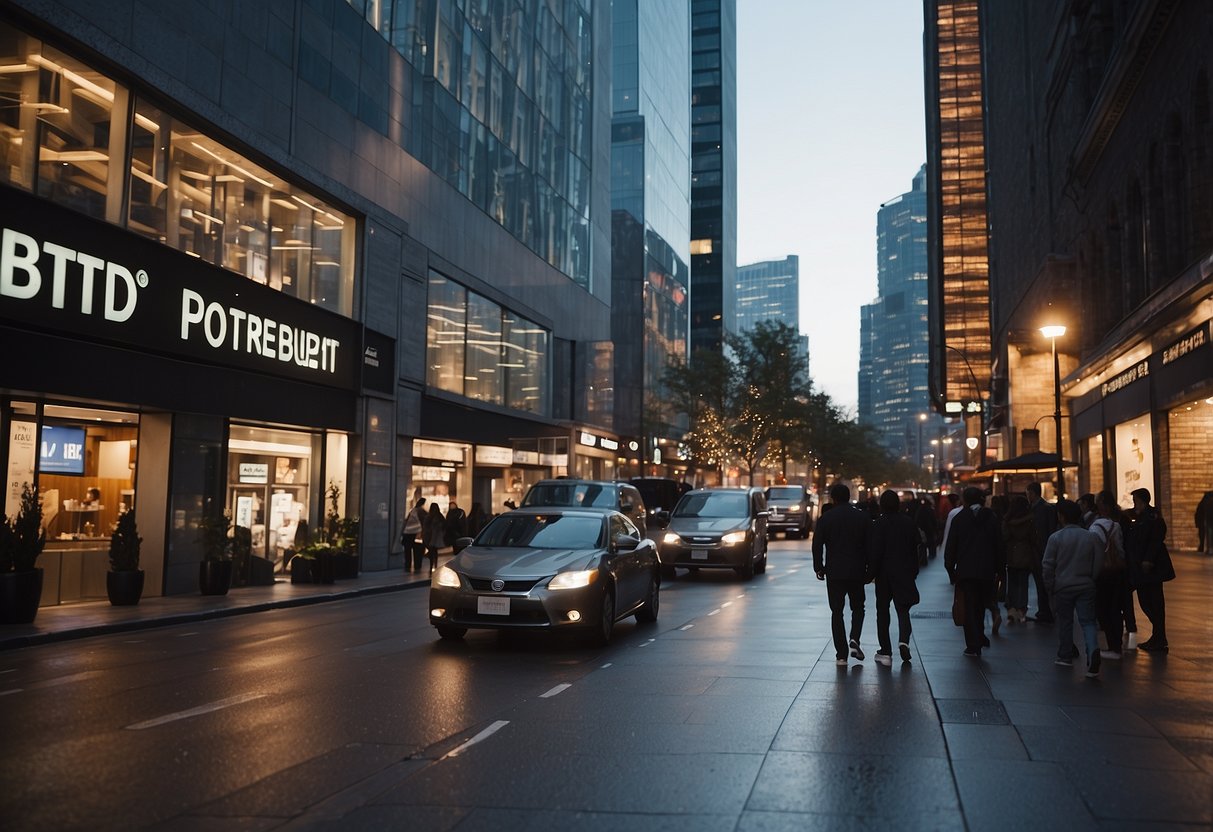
(64, 273)
(1184, 368)
(378, 362)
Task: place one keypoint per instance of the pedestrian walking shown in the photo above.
(476, 519)
(1045, 516)
(434, 534)
(1204, 522)
(956, 506)
(1019, 540)
(1072, 561)
(1149, 567)
(1086, 505)
(924, 519)
(456, 523)
(410, 536)
(973, 557)
(1110, 586)
(894, 558)
(840, 558)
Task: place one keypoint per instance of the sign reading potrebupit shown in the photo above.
(75, 275)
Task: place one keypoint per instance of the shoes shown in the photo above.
(1131, 641)
(1060, 662)
(1093, 666)
(1152, 645)
(1103, 641)
(884, 658)
(997, 622)
(856, 652)
(972, 654)
(905, 651)
(985, 642)
(1114, 655)
(841, 662)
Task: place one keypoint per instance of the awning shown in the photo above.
(1027, 464)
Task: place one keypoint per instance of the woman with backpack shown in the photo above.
(1110, 587)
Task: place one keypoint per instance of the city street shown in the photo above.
(728, 713)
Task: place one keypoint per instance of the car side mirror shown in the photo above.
(661, 518)
(625, 543)
(462, 543)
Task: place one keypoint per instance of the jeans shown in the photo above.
(1017, 588)
(839, 590)
(884, 596)
(1066, 603)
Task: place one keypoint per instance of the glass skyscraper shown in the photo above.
(650, 208)
(713, 170)
(769, 291)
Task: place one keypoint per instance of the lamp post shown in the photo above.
(1053, 332)
(922, 417)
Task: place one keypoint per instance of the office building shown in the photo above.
(713, 171)
(261, 255)
(894, 394)
(1101, 179)
(650, 217)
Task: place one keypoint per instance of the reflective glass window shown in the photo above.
(483, 375)
(446, 327)
(525, 364)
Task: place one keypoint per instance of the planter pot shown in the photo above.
(345, 566)
(301, 571)
(124, 588)
(214, 577)
(20, 594)
(322, 568)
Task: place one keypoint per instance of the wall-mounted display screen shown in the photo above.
(61, 450)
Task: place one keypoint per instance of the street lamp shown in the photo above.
(1053, 332)
(922, 417)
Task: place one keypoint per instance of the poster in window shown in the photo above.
(1134, 459)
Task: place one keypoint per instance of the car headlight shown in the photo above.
(446, 576)
(671, 539)
(573, 580)
(795, 507)
(733, 538)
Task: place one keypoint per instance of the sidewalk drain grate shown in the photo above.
(931, 614)
(972, 711)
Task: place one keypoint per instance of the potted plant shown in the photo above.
(215, 571)
(313, 564)
(342, 535)
(124, 581)
(21, 541)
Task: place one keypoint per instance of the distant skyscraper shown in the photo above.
(650, 208)
(713, 170)
(769, 290)
(894, 354)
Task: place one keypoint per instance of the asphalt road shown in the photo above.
(727, 714)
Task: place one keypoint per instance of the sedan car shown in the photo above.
(717, 528)
(549, 569)
(620, 496)
(791, 510)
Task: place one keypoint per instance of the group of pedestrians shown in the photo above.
(1086, 558)
(427, 531)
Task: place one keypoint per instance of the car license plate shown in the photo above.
(488, 605)
(699, 554)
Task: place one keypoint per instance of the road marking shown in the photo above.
(713, 612)
(742, 595)
(792, 571)
(10, 670)
(133, 641)
(726, 604)
(608, 664)
(483, 735)
(647, 643)
(559, 689)
(186, 635)
(14, 690)
(201, 709)
(687, 627)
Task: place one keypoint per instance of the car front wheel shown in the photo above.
(599, 634)
(647, 614)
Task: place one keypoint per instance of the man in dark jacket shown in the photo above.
(974, 557)
(1149, 567)
(840, 558)
(1045, 516)
(894, 541)
(1204, 522)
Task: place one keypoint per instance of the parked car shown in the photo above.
(660, 495)
(548, 569)
(717, 528)
(572, 493)
(791, 510)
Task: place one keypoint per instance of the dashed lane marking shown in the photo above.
(192, 712)
(726, 604)
(556, 691)
(483, 735)
(8, 692)
(186, 635)
(714, 612)
(605, 666)
(686, 627)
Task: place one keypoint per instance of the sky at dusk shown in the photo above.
(830, 125)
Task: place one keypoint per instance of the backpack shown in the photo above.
(1113, 557)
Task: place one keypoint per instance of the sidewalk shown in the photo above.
(91, 618)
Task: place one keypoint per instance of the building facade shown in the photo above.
(650, 218)
(1101, 191)
(894, 397)
(262, 256)
(713, 171)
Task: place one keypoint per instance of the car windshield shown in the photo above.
(589, 495)
(784, 492)
(542, 531)
(721, 504)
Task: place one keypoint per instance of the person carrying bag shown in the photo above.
(414, 552)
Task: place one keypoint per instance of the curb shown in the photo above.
(50, 637)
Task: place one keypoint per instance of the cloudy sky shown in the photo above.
(830, 125)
